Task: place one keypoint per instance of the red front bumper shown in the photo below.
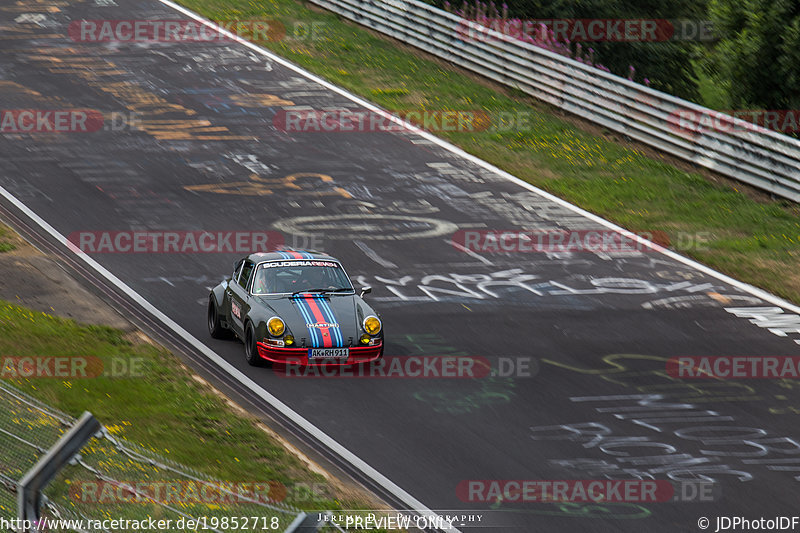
(299, 356)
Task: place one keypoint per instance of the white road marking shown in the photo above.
(755, 291)
(469, 252)
(357, 225)
(372, 254)
(320, 436)
(242, 378)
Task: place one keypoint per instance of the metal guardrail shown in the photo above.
(752, 154)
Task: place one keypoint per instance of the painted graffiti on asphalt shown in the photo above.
(502, 283)
(719, 437)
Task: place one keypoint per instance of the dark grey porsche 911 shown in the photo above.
(295, 307)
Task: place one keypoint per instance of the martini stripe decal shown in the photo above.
(327, 340)
(314, 335)
(328, 311)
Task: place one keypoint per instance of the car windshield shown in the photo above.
(278, 277)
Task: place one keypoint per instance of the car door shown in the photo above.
(226, 301)
(238, 294)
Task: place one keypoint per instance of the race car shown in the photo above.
(295, 307)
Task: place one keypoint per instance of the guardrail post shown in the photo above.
(29, 488)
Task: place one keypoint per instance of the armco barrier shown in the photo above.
(752, 154)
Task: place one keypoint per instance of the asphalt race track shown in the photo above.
(189, 142)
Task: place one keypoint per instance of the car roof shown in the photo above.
(287, 253)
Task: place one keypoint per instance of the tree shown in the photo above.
(757, 58)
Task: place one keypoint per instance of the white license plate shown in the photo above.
(328, 353)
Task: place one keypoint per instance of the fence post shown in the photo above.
(29, 488)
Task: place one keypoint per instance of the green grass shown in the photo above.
(7, 239)
(752, 238)
(160, 407)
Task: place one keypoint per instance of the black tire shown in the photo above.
(250, 348)
(215, 327)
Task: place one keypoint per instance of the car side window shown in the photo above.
(244, 276)
(237, 269)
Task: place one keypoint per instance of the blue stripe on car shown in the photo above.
(313, 333)
(327, 310)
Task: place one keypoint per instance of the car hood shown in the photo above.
(319, 320)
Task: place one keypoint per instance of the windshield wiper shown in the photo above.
(295, 293)
(324, 291)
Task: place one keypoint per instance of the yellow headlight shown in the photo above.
(289, 340)
(276, 326)
(372, 325)
(365, 339)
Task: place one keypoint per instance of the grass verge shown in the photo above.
(748, 235)
(8, 239)
(154, 401)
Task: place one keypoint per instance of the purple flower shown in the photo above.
(540, 32)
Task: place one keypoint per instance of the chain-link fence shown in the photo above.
(111, 481)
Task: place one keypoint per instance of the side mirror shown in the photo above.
(365, 290)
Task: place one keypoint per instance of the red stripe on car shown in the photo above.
(327, 340)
